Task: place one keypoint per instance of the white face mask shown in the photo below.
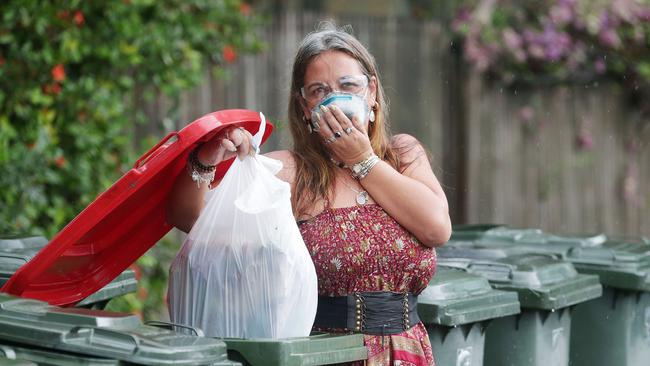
(350, 104)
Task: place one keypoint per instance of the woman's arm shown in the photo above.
(186, 199)
(414, 197)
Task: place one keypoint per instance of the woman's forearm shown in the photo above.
(414, 205)
(185, 202)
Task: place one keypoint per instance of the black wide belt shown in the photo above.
(376, 313)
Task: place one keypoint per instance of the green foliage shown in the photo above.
(68, 77)
(71, 76)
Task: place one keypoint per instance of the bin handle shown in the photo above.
(162, 324)
(75, 331)
(144, 158)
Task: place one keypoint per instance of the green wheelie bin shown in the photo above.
(456, 308)
(612, 330)
(16, 251)
(38, 329)
(547, 289)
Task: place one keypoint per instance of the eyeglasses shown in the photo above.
(353, 84)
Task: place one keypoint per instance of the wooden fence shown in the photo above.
(496, 161)
(566, 159)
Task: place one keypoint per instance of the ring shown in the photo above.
(315, 126)
(348, 130)
(337, 134)
(330, 140)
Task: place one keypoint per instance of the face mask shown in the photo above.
(350, 104)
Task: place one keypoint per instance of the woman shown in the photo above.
(368, 205)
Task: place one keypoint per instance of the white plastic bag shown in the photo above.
(243, 270)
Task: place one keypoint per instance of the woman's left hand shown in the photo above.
(347, 140)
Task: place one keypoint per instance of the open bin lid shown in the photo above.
(456, 297)
(541, 281)
(620, 261)
(15, 252)
(103, 334)
(122, 223)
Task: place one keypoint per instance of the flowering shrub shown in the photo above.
(558, 40)
(70, 75)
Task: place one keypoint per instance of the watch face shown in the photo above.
(356, 168)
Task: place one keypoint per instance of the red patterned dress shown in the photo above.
(362, 248)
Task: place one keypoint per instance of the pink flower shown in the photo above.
(536, 51)
(512, 40)
(625, 9)
(561, 14)
(477, 54)
(609, 38)
(585, 141)
(514, 43)
(462, 17)
(630, 185)
(526, 113)
(599, 66)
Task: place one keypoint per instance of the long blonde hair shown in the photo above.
(315, 173)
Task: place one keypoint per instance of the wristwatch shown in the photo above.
(362, 168)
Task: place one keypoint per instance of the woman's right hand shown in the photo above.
(225, 145)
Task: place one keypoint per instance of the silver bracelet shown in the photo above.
(199, 172)
(362, 168)
(198, 177)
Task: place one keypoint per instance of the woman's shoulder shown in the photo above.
(403, 139)
(407, 146)
(288, 160)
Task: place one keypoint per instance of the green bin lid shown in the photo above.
(15, 252)
(47, 357)
(103, 334)
(15, 362)
(620, 261)
(124, 283)
(318, 349)
(540, 281)
(455, 297)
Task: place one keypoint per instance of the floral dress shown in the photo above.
(362, 248)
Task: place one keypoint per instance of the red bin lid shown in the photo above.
(122, 223)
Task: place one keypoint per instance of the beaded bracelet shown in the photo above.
(199, 172)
